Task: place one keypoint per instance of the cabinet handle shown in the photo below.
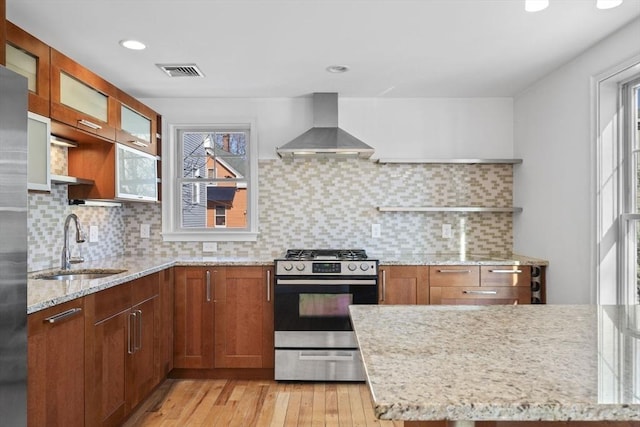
(130, 339)
(454, 271)
(268, 285)
(480, 292)
(138, 345)
(208, 288)
(384, 285)
(64, 315)
(138, 143)
(89, 124)
(506, 271)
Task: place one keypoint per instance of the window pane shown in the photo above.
(214, 179)
(23, 63)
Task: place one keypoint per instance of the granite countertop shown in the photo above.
(47, 293)
(504, 363)
(455, 259)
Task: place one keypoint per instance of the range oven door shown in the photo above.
(312, 304)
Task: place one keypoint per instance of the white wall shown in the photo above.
(556, 183)
(407, 127)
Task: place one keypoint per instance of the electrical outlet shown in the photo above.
(209, 246)
(145, 231)
(375, 230)
(446, 231)
(93, 234)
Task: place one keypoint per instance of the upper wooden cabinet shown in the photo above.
(30, 57)
(3, 34)
(81, 98)
(136, 124)
(404, 284)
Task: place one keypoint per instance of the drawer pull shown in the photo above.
(455, 271)
(89, 124)
(480, 292)
(506, 271)
(61, 316)
(139, 144)
(326, 356)
(208, 286)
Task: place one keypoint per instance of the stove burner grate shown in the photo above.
(310, 254)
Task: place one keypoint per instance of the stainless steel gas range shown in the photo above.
(314, 339)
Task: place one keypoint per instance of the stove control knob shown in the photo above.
(352, 267)
(300, 267)
(288, 267)
(364, 267)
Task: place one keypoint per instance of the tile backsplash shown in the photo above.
(319, 204)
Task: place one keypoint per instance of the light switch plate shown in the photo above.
(145, 231)
(375, 230)
(446, 231)
(93, 234)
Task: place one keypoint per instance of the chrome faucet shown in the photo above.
(66, 255)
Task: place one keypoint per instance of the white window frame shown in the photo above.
(172, 231)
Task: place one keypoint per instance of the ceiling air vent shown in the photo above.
(181, 70)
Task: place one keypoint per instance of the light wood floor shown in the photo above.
(191, 403)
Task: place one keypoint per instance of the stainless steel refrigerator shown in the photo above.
(13, 248)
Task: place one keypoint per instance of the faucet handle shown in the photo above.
(76, 260)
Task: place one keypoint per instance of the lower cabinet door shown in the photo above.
(141, 372)
(477, 295)
(55, 384)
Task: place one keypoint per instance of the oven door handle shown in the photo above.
(339, 356)
(325, 282)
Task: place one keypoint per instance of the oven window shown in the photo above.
(324, 305)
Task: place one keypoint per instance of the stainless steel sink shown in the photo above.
(80, 274)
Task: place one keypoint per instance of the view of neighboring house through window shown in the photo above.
(214, 165)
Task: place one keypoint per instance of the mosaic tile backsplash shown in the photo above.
(319, 204)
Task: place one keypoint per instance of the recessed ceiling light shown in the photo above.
(535, 5)
(337, 68)
(608, 4)
(133, 44)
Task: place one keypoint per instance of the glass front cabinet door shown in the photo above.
(39, 149)
(136, 174)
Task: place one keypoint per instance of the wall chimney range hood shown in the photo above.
(325, 138)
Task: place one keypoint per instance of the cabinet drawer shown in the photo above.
(481, 296)
(454, 275)
(505, 275)
(144, 288)
(112, 301)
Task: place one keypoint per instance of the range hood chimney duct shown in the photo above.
(325, 138)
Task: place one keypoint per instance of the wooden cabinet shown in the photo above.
(30, 57)
(118, 173)
(480, 285)
(56, 362)
(243, 298)
(194, 318)
(165, 312)
(404, 285)
(3, 33)
(136, 124)
(223, 317)
(121, 348)
(81, 98)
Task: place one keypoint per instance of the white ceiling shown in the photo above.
(280, 48)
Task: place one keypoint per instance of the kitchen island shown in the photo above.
(501, 363)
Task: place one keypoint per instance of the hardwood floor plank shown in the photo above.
(210, 395)
(331, 405)
(268, 406)
(318, 410)
(293, 409)
(280, 411)
(344, 406)
(306, 407)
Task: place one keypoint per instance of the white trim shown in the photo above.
(171, 231)
(620, 73)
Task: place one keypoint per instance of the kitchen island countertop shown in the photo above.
(501, 363)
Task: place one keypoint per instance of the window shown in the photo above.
(213, 191)
(630, 239)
